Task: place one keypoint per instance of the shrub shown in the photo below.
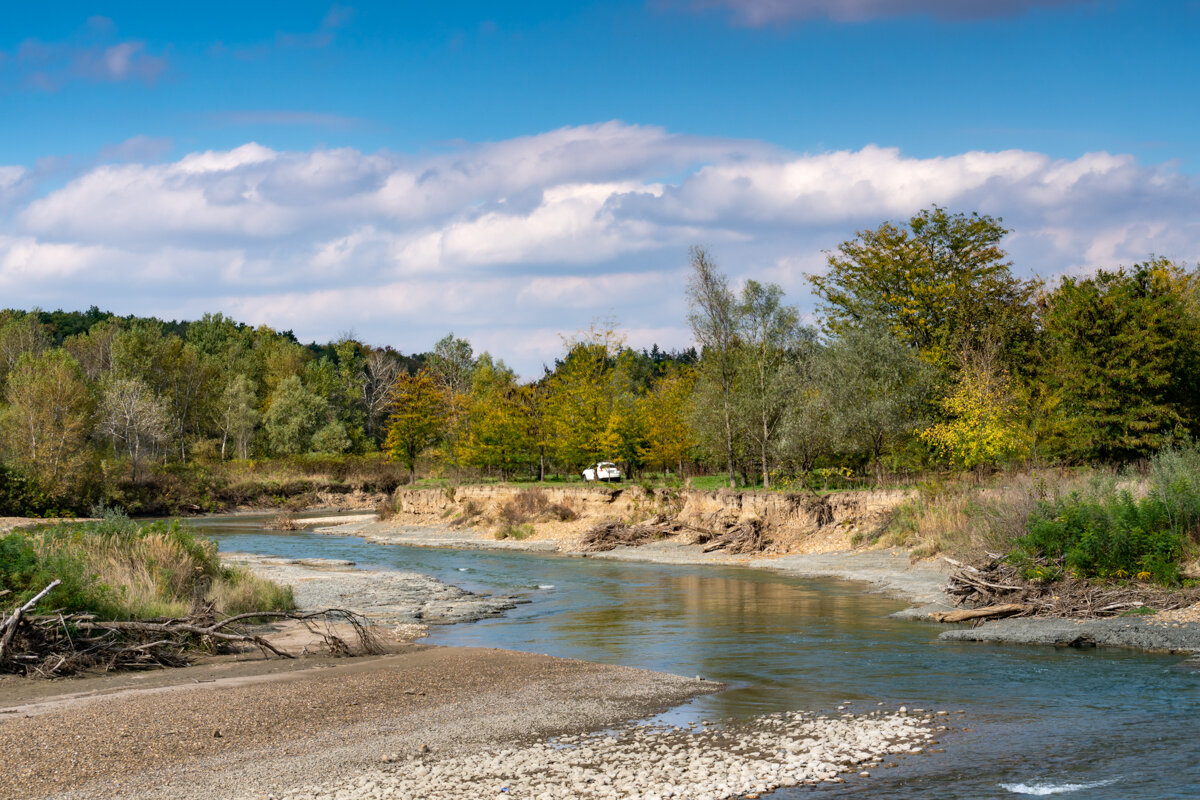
(511, 531)
(385, 510)
(1117, 536)
(561, 512)
(524, 506)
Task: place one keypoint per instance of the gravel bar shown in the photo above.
(259, 735)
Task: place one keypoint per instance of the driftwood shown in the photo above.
(988, 612)
(10, 626)
(747, 536)
(1000, 585)
(612, 533)
(59, 644)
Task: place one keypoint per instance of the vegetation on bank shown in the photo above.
(1132, 524)
(117, 568)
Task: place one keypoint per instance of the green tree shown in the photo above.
(663, 410)
(48, 418)
(985, 416)
(715, 324)
(331, 438)
(498, 433)
(1121, 359)
(294, 415)
(94, 349)
(20, 333)
(879, 387)
(808, 430)
(580, 395)
(939, 283)
(769, 334)
(417, 420)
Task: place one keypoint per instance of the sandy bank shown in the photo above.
(311, 726)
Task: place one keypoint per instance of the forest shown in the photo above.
(927, 354)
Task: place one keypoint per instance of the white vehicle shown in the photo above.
(604, 471)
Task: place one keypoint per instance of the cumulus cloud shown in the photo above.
(508, 240)
(756, 13)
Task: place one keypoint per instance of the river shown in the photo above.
(1039, 721)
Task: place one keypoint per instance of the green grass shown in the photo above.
(510, 531)
(117, 568)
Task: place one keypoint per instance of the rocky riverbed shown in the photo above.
(654, 763)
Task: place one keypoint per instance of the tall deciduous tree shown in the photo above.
(769, 331)
(47, 419)
(294, 415)
(580, 398)
(939, 282)
(879, 386)
(985, 418)
(669, 439)
(498, 432)
(134, 418)
(379, 371)
(236, 415)
(417, 420)
(715, 322)
(20, 333)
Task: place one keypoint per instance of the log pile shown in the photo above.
(56, 644)
(745, 536)
(609, 534)
(997, 589)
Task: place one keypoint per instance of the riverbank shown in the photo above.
(240, 732)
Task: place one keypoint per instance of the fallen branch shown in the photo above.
(58, 644)
(10, 627)
(989, 612)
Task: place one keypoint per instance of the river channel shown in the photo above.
(1039, 721)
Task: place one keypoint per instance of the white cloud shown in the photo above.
(536, 233)
(757, 13)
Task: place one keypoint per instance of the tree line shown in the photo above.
(927, 352)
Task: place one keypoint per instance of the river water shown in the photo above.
(1040, 721)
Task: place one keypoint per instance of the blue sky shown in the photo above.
(514, 171)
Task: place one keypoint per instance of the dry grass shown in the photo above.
(238, 591)
(120, 569)
(968, 518)
(385, 510)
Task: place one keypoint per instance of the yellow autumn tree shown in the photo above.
(984, 421)
(580, 398)
(497, 430)
(669, 439)
(417, 421)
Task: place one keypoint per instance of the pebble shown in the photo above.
(701, 762)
